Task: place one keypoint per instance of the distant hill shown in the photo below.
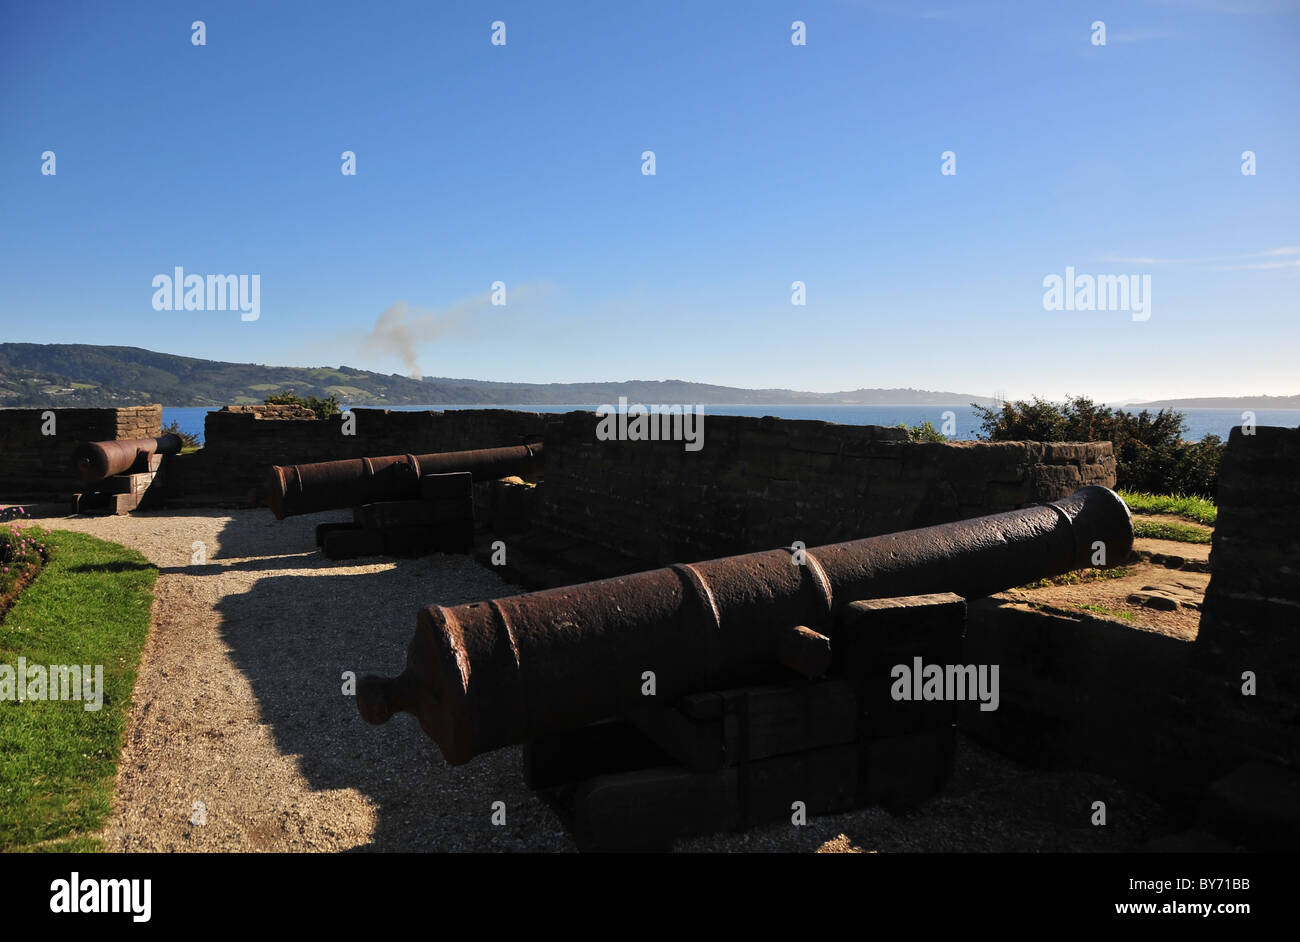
(83, 374)
(1225, 402)
(39, 375)
(32, 388)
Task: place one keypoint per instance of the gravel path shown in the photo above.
(239, 701)
(239, 707)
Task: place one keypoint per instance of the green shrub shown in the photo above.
(925, 432)
(1150, 454)
(188, 439)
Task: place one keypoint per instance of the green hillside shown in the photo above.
(38, 375)
(45, 374)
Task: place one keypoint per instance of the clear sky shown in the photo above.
(522, 163)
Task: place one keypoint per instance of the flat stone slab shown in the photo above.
(1168, 596)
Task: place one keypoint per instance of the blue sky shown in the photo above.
(774, 163)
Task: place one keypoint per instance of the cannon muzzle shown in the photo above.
(94, 461)
(490, 674)
(335, 485)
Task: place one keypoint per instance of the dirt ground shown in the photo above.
(240, 737)
(1111, 598)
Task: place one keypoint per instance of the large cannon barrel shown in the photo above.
(334, 485)
(94, 461)
(491, 674)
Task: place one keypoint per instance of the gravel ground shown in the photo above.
(239, 707)
(239, 701)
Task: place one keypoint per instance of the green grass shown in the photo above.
(90, 605)
(1080, 576)
(1164, 530)
(1196, 509)
(1110, 612)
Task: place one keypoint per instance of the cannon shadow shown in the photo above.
(296, 632)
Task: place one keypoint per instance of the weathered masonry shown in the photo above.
(610, 507)
(36, 445)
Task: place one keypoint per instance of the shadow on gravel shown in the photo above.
(255, 564)
(294, 635)
(113, 567)
(256, 532)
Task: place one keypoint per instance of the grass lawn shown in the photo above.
(1166, 530)
(90, 605)
(1196, 509)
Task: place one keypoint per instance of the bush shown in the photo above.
(1150, 454)
(925, 432)
(324, 408)
(188, 439)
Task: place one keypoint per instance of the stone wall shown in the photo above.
(242, 442)
(1210, 723)
(1081, 692)
(761, 483)
(755, 484)
(1253, 601)
(1251, 616)
(35, 465)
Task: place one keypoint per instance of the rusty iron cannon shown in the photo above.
(490, 674)
(95, 461)
(334, 485)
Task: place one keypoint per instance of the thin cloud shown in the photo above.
(1208, 259)
(1261, 266)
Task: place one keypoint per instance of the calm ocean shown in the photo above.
(1200, 422)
